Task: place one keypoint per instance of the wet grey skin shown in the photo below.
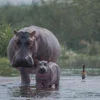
(30, 45)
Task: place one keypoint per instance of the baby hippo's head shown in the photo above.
(42, 67)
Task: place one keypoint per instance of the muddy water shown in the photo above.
(71, 88)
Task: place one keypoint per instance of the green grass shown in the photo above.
(6, 69)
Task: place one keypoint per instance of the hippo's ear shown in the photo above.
(33, 34)
(15, 32)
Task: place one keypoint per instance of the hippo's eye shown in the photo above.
(45, 64)
(40, 64)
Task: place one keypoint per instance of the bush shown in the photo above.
(5, 35)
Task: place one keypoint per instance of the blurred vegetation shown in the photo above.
(5, 36)
(71, 59)
(76, 24)
(6, 69)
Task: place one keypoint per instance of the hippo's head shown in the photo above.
(42, 67)
(25, 48)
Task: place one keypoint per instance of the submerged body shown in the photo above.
(47, 75)
(30, 45)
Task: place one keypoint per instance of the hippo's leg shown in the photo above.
(57, 83)
(57, 86)
(25, 78)
(39, 86)
(50, 86)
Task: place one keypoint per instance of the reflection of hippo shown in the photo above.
(47, 74)
(29, 45)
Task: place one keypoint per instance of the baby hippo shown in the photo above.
(47, 75)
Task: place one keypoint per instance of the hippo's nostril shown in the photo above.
(29, 60)
(23, 62)
(27, 57)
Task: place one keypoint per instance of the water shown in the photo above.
(71, 88)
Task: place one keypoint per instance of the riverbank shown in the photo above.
(72, 63)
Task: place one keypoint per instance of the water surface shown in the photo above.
(71, 88)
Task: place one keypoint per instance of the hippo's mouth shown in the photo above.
(27, 63)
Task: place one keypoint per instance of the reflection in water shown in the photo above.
(26, 91)
(29, 91)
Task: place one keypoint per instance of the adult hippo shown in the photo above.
(30, 45)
